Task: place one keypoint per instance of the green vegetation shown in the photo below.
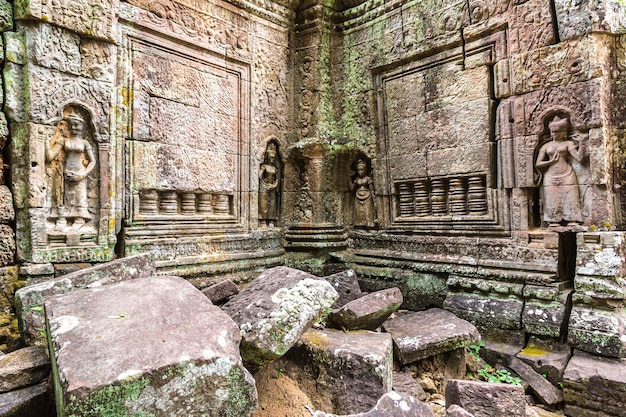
(502, 376)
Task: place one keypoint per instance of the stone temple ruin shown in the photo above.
(469, 153)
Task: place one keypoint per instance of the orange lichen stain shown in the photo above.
(127, 96)
(316, 339)
(532, 350)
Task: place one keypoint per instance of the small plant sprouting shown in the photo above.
(502, 376)
(475, 349)
(279, 372)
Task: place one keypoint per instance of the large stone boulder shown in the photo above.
(367, 312)
(427, 333)
(29, 300)
(275, 310)
(486, 399)
(347, 286)
(392, 404)
(148, 346)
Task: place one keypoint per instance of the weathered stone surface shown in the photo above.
(8, 286)
(7, 212)
(598, 331)
(456, 411)
(369, 311)
(392, 404)
(148, 332)
(486, 399)
(487, 311)
(27, 402)
(7, 245)
(29, 300)
(548, 361)
(406, 384)
(342, 373)
(221, 292)
(543, 389)
(23, 367)
(346, 285)
(594, 387)
(427, 333)
(276, 309)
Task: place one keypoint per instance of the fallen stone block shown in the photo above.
(486, 399)
(341, 372)
(23, 367)
(368, 312)
(347, 286)
(427, 333)
(147, 346)
(221, 292)
(392, 404)
(27, 402)
(594, 386)
(543, 389)
(546, 360)
(29, 300)
(275, 310)
(406, 384)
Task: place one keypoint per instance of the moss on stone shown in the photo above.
(107, 402)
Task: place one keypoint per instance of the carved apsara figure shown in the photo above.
(269, 181)
(561, 195)
(363, 186)
(70, 150)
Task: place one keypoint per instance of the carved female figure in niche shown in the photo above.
(269, 180)
(363, 186)
(561, 195)
(69, 147)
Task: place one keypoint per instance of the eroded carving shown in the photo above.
(362, 184)
(269, 184)
(559, 184)
(71, 161)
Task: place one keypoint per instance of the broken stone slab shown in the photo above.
(27, 402)
(146, 346)
(368, 312)
(23, 367)
(221, 292)
(486, 399)
(392, 404)
(347, 286)
(29, 300)
(426, 333)
(405, 383)
(543, 389)
(594, 386)
(545, 359)
(275, 310)
(341, 372)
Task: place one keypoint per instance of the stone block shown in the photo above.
(544, 318)
(29, 300)
(347, 286)
(221, 292)
(406, 384)
(543, 389)
(7, 245)
(367, 312)
(342, 372)
(487, 311)
(91, 18)
(53, 47)
(27, 402)
(597, 331)
(6, 16)
(8, 285)
(7, 212)
(486, 399)
(276, 309)
(594, 386)
(14, 100)
(24, 367)
(149, 333)
(15, 48)
(546, 360)
(392, 404)
(427, 333)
